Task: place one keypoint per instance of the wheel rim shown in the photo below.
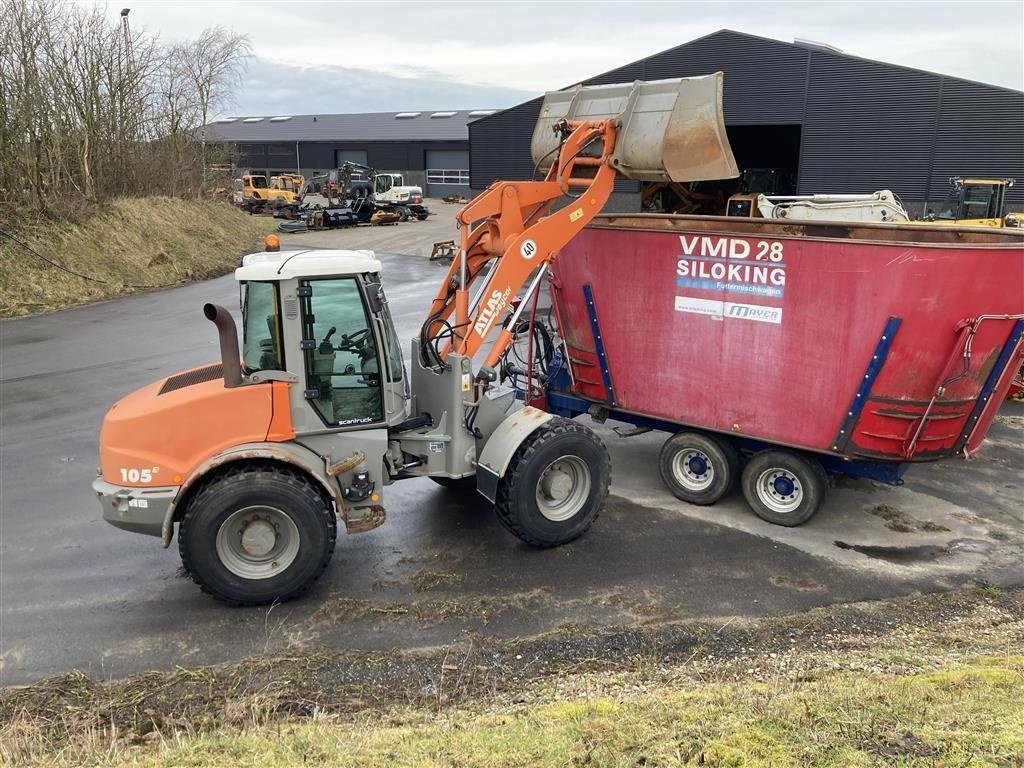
(563, 488)
(780, 490)
(257, 542)
(693, 470)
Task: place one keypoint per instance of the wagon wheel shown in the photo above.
(697, 468)
(783, 487)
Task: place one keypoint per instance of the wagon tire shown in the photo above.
(256, 535)
(699, 469)
(555, 484)
(783, 487)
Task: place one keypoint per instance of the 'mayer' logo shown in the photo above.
(491, 310)
(755, 312)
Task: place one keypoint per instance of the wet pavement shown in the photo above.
(77, 593)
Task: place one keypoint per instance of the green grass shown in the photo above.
(147, 242)
(924, 680)
(968, 713)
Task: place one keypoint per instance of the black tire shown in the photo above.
(572, 451)
(459, 484)
(422, 216)
(699, 469)
(286, 495)
(783, 487)
(403, 213)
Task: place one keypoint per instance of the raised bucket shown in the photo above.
(670, 130)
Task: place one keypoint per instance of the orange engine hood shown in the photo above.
(158, 435)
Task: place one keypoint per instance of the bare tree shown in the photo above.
(88, 112)
(215, 62)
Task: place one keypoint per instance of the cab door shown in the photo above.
(382, 185)
(344, 387)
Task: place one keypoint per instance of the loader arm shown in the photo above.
(670, 130)
(517, 230)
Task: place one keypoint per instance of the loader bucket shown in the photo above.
(670, 130)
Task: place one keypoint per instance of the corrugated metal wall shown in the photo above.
(981, 132)
(866, 125)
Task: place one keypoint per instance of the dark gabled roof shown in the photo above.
(415, 125)
(624, 71)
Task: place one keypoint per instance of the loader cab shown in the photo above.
(323, 318)
(973, 202)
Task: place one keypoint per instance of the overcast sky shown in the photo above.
(374, 55)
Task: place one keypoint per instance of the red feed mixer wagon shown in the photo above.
(779, 353)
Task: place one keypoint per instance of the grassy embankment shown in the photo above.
(127, 246)
(928, 681)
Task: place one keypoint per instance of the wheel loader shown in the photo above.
(254, 458)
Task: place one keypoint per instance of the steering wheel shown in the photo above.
(355, 342)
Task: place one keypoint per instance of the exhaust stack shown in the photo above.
(228, 335)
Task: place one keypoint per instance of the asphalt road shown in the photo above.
(77, 593)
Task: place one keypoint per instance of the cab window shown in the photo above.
(978, 202)
(261, 328)
(343, 381)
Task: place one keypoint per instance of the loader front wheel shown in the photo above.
(256, 535)
(555, 485)
(783, 487)
(698, 469)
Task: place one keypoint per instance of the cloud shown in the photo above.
(532, 46)
(273, 87)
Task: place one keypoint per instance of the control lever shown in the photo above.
(325, 345)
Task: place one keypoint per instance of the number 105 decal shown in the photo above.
(133, 475)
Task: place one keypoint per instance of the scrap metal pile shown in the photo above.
(352, 194)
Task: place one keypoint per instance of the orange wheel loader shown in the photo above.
(254, 458)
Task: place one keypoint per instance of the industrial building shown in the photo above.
(829, 121)
(430, 148)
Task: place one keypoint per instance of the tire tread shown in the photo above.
(247, 474)
(520, 461)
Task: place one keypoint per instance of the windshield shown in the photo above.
(951, 208)
(261, 328)
(258, 182)
(396, 365)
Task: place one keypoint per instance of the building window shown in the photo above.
(446, 176)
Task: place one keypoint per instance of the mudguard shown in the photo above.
(502, 445)
(285, 453)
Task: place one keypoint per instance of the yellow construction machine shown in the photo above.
(285, 189)
(250, 192)
(975, 202)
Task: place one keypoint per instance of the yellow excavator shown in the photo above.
(975, 202)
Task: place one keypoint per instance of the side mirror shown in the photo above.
(375, 297)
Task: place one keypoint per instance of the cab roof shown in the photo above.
(286, 265)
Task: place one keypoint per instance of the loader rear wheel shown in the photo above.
(784, 488)
(256, 535)
(555, 484)
(698, 469)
